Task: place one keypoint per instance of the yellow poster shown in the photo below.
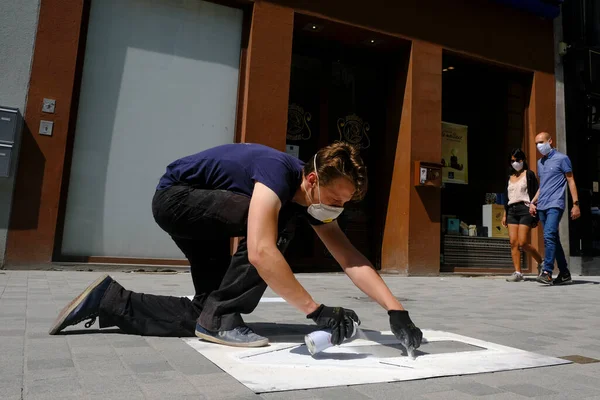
(454, 153)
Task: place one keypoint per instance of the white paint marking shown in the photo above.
(262, 300)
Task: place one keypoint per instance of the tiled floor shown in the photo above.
(555, 321)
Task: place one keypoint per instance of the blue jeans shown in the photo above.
(550, 218)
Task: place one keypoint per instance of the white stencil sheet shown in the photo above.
(374, 358)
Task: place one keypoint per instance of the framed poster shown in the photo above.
(455, 166)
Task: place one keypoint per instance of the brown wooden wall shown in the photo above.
(480, 28)
(541, 117)
(412, 230)
(42, 158)
(267, 75)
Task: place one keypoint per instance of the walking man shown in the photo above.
(255, 192)
(555, 173)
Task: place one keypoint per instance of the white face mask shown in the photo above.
(517, 166)
(544, 148)
(320, 211)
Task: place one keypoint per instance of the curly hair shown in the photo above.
(340, 160)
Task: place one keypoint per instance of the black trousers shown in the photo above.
(201, 222)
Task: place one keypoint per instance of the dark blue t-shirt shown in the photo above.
(236, 167)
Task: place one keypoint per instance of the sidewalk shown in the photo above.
(108, 365)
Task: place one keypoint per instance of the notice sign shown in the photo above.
(454, 154)
(293, 150)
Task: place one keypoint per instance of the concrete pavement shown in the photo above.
(91, 364)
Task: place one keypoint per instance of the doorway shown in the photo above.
(487, 103)
(344, 86)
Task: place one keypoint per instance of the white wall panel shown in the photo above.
(160, 82)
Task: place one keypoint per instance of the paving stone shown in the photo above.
(11, 365)
(406, 388)
(47, 348)
(101, 364)
(129, 343)
(339, 393)
(293, 395)
(12, 346)
(13, 396)
(107, 382)
(77, 395)
(11, 388)
(503, 396)
(91, 351)
(159, 366)
(476, 389)
(12, 332)
(87, 340)
(220, 386)
(54, 386)
(137, 395)
(54, 373)
(179, 396)
(10, 314)
(193, 365)
(171, 385)
(449, 395)
(41, 320)
(528, 390)
(37, 335)
(34, 365)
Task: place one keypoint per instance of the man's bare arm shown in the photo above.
(535, 198)
(356, 266)
(572, 186)
(575, 212)
(264, 254)
(533, 204)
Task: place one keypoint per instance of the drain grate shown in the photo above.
(577, 359)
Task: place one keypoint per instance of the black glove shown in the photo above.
(406, 332)
(339, 320)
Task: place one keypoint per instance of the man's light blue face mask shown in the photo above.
(544, 148)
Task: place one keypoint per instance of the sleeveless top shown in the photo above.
(517, 191)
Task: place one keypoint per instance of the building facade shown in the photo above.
(134, 85)
(581, 58)
(18, 23)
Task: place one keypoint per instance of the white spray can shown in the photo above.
(318, 341)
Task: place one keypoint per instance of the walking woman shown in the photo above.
(522, 187)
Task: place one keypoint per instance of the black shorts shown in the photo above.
(518, 214)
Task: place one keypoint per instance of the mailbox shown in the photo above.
(5, 157)
(428, 174)
(9, 123)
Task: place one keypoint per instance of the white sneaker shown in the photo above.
(515, 277)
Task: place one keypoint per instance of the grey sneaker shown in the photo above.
(241, 336)
(515, 277)
(545, 278)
